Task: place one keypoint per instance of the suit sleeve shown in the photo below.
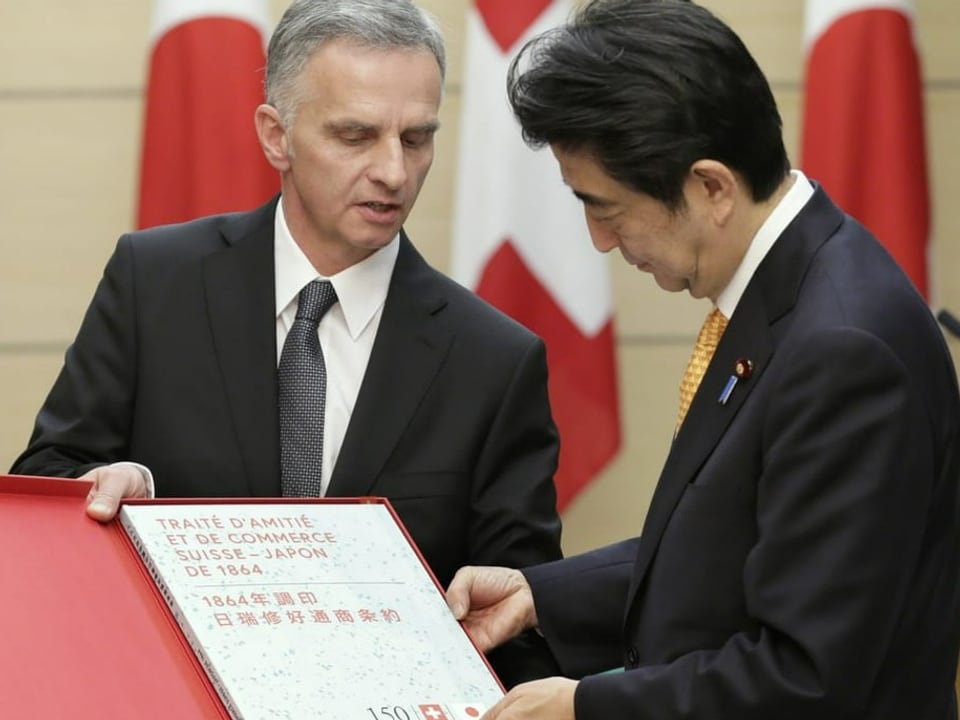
(580, 603)
(841, 508)
(86, 417)
(514, 518)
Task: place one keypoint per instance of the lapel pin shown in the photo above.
(742, 370)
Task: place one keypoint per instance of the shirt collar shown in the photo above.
(361, 288)
(782, 215)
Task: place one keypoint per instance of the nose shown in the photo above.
(604, 239)
(388, 167)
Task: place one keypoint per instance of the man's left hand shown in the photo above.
(549, 699)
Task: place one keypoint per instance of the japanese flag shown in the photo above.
(467, 711)
(863, 125)
(521, 242)
(200, 152)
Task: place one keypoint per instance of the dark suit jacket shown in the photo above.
(175, 364)
(800, 555)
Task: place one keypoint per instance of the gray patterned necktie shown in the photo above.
(303, 392)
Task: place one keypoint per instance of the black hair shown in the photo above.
(647, 88)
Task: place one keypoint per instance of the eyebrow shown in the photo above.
(592, 200)
(428, 127)
(348, 126)
(357, 126)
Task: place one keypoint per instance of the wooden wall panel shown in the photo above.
(25, 378)
(773, 31)
(943, 142)
(65, 47)
(431, 222)
(937, 28)
(69, 193)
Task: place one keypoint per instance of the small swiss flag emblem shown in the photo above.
(433, 712)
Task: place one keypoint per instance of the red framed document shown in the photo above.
(85, 634)
(244, 609)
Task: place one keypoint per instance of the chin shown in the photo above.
(671, 284)
(374, 243)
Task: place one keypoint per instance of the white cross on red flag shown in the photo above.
(521, 242)
(433, 712)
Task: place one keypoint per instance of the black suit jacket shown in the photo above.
(800, 555)
(174, 367)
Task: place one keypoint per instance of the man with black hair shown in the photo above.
(799, 558)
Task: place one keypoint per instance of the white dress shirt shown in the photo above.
(783, 214)
(349, 328)
(346, 331)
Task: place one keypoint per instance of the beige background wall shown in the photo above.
(71, 81)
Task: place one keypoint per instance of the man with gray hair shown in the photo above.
(186, 378)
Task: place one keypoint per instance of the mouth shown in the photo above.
(380, 206)
(380, 213)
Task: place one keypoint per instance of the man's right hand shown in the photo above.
(495, 604)
(110, 483)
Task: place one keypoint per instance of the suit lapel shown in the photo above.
(747, 336)
(241, 302)
(770, 295)
(410, 346)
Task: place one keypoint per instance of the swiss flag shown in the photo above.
(863, 125)
(521, 242)
(200, 152)
(433, 712)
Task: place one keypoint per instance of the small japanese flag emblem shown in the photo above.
(470, 711)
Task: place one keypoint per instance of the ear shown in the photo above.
(273, 137)
(715, 187)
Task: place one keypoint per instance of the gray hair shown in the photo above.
(308, 24)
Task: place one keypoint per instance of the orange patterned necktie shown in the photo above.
(707, 342)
